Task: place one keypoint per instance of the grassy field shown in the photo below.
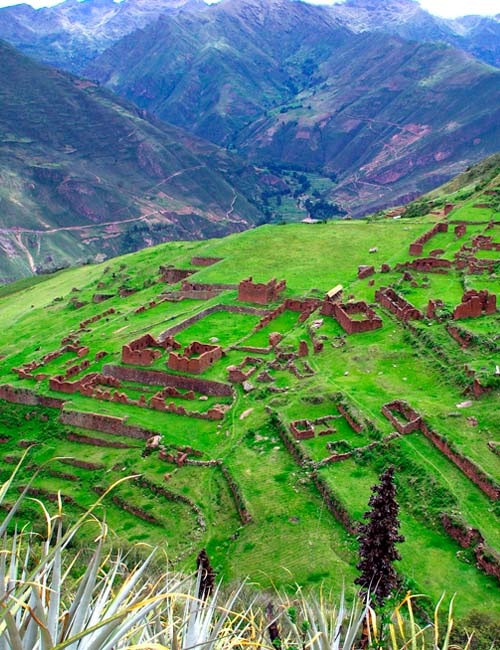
(292, 537)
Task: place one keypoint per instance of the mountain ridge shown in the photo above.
(85, 173)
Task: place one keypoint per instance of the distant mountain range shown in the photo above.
(380, 101)
(74, 32)
(84, 174)
(289, 84)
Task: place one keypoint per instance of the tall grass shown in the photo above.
(55, 596)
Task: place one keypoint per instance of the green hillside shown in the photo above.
(271, 475)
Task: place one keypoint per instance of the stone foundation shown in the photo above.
(395, 303)
(260, 293)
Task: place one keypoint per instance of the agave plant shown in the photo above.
(314, 623)
(116, 604)
(112, 604)
(42, 608)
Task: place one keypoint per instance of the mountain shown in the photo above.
(300, 88)
(85, 174)
(73, 32)
(477, 35)
(218, 72)
(286, 85)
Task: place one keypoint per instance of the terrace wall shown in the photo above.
(413, 419)
(25, 396)
(232, 309)
(160, 378)
(205, 261)
(170, 275)
(105, 424)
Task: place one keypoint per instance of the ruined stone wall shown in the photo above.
(28, 397)
(105, 424)
(413, 419)
(395, 303)
(205, 356)
(342, 313)
(485, 243)
(260, 293)
(475, 303)
(427, 265)
(417, 247)
(302, 429)
(474, 473)
(95, 318)
(170, 275)
(141, 357)
(462, 338)
(485, 561)
(464, 535)
(160, 378)
(353, 423)
(365, 270)
(205, 261)
(240, 373)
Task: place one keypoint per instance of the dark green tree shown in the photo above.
(206, 575)
(378, 538)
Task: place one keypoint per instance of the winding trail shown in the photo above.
(22, 246)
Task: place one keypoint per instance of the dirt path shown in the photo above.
(49, 231)
(231, 207)
(22, 246)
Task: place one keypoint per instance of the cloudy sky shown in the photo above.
(446, 8)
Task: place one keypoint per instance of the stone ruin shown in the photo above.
(353, 317)
(243, 371)
(304, 429)
(411, 419)
(432, 308)
(427, 265)
(170, 275)
(365, 270)
(260, 293)
(485, 243)
(395, 303)
(94, 319)
(86, 385)
(196, 358)
(102, 297)
(475, 303)
(146, 349)
(417, 247)
(205, 261)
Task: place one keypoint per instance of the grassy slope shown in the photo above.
(292, 538)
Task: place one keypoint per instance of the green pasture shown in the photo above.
(292, 537)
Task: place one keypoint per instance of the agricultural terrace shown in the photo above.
(257, 385)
